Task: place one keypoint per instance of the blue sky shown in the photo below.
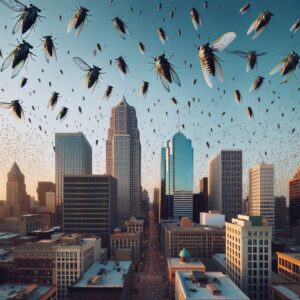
(32, 149)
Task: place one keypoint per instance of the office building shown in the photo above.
(29, 223)
(200, 204)
(179, 264)
(42, 189)
(16, 195)
(73, 156)
(130, 242)
(212, 219)
(294, 196)
(156, 205)
(261, 192)
(280, 214)
(104, 280)
(134, 225)
(197, 285)
(73, 257)
(201, 241)
(123, 159)
(50, 201)
(177, 177)
(289, 266)
(225, 182)
(248, 255)
(90, 205)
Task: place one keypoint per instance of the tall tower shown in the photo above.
(177, 175)
(16, 196)
(261, 192)
(73, 156)
(123, 159)
(225, 182)
(294, 195)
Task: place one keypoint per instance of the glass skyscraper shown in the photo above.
(123, 159)
(73, 156)
(177, 168)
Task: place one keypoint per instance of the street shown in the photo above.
(151, 281)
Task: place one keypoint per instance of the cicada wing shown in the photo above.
(81, 64)
(14, 5)
(161, 38)
(248, 66)
(258, 33)
(195, 24)
(18, 115)
(7, 62)
(5, 105)
(85, 83)
(54, 52)
(127, 29)
(47, 54)
(219, 70)
(95, 85)
(79, 28)
(224, 41)
(252, 27)
(287, 77)
(18, 24)
(254, 87)
(277, 68)
(174, 76)
(261, 54)
(18, 68)
(206, 75)
(239, 53)
(71, 24)
(164, 81)
(293, 27)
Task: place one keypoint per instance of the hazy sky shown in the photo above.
(205, 121)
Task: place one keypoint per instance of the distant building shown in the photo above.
(90, 205)
(123, 159)
(285, 292)
(248, 255)
(73, 257)
(47, 218)
(104, 280)
(28, 223)
(126, 241)
(27, 291)
(16, 195)
(134, 225)
(42, 189)
(280, 214)
(179, 264)
(294, 195)
(50, 201)
(177, 177)
(225, 182)
(156, 205)
(202, 241)
(73, 156)
(198, 285)
(212, 219)
(289, 266)
(200, 204)
(261, 192)
(144, 210)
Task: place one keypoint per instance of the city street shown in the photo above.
(151, 281)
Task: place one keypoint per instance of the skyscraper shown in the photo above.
(280, 214)
(294, 195)
(177, 175)
(16, 195)
(261, 192)
(225, 181)
(42, 189)
(73, 156)
(90, 205)
(123, 159)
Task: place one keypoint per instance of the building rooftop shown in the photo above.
(106, 274)
(193, 228)
(7, 235)
(293, 256)
(31, 291)
(6, 256)
(220, 258)
(209, 285)
(290, 291)
(192, 263)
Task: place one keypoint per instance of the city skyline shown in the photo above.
(36, 157)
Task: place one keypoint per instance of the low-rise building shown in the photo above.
(134, 225)
(289, 266)
(28, 292)
(183, 263)
(104, 280)
(206, 286)
(212, 219)
(202, 241)
(29, 223)
(126, 241)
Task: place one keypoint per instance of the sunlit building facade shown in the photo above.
(294, 195)
(73, 156)
(123, 159)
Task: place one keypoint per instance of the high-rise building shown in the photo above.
(123, 159)
(73, 156)
(204, 186)
(144, 208)
(199, 205)
(280, 214)
(42, 189)
(294, 195)
(177, 176)
(261, 192)
(248, 255)
(90, 205)
(225, 182)
(156, 210)
(16, 195)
